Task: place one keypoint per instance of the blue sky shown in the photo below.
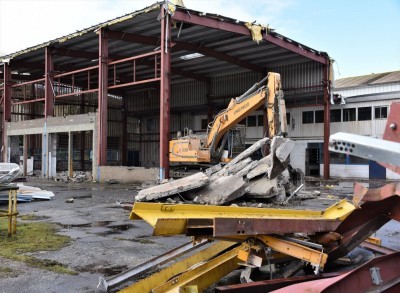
(362, 36)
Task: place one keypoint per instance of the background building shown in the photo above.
(368, 99)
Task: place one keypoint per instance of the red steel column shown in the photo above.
(165, 91)
(48, 86)
(6, 108)
(103, 92)
(327, 121)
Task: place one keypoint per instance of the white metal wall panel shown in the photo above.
(371, 89)
(374, 127)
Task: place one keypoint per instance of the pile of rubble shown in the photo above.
(77, 177)
(267, 178)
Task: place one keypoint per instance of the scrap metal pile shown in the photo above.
(287, 245)
(267, 178)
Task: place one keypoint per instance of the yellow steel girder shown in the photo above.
(180, 267)
(170, 219)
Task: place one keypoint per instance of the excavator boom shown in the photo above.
(267, 92)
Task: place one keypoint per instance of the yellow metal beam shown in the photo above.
(169, 219)
(203, 275)
(159, 278)
(315, 257)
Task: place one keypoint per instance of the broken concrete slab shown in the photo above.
(247, 169)
(222, 190)
(231, 169)
(262, 188)
(263, 166)
(173, 187)
(249, 151)
(283, 151)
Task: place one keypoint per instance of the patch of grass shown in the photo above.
(137, 240)
(6, 272)
(34, 237)
(32, 217)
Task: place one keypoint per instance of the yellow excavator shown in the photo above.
(208, 148)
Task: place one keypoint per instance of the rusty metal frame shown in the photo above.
(242, 30)
(102, 97)
(165, 92)
(220, 227)
(48, 84)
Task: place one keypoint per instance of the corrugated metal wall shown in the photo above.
(299, 75)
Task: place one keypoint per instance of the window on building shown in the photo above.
(260, 120)
(204, 123)
(349, 114)
(251, 121)
(288, 118)
(336, 115)
(308, 117)
(319, 116)
(364, 113)
(381, 112)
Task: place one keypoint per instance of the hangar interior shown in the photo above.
(103, 95)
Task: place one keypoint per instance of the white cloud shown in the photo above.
(25, 23)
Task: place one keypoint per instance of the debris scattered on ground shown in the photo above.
(267, 178)
(77, 177)
(70, 200)
(27, 193)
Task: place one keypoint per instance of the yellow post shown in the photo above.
(14, 226)
(9, 213)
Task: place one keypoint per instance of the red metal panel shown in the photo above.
(48, 88)
(392, 131)
(229, 227)
(357, 280)
(240, 29)
(165, 91)
(102, 100)
(6, 106)
(327, 124)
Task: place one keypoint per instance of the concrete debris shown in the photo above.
(9, 172)
(27, 193)
(222, 190)
(70, 200)
(262, 188)
(175, 187)
(77, 177)
(267, 178)
(263, 167)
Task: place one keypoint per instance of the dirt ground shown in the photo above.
(104, 240)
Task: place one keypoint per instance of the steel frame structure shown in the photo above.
(162, 74)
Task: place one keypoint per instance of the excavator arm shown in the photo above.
(242, 106)
(203, 149)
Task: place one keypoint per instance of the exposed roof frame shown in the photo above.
(94, 55)
(240, 29)
(177, 45)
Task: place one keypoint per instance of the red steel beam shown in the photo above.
(165, 92)
(48, 84)
(178, 46)
(6, 107)
(102, 97)
(240, 29)
(361, 279)
(327, 123)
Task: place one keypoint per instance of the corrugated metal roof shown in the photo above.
(370, 79)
